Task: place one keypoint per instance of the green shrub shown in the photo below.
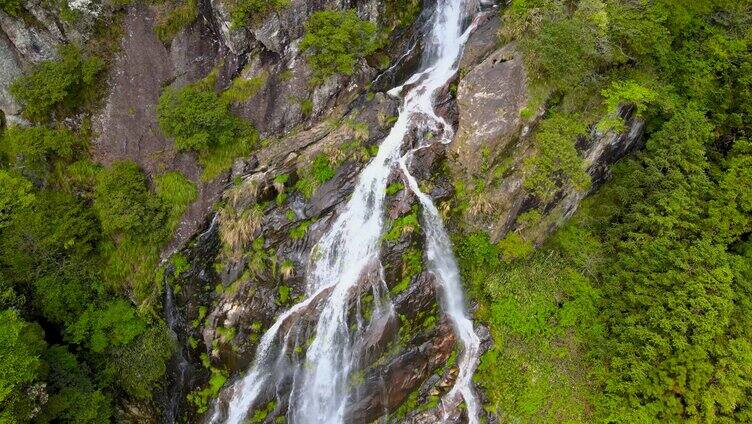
(21, 345)
(15, 194)
(114, 325)
(394, 188)
(59, 86)
(322, 169)
(403, 225)
(34, 149)
(200, 120)
(142, 363)
(336, 40)
(243, 12)
(124, 204)
(11, 7)
(401, 13)
(557, 161)
(175, 18)
(242, 89)
(176, 193)
(301, 230)
(196, 118)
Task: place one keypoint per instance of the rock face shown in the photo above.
(127, 126)
(22, 44)
(490, 98)
(493, 142)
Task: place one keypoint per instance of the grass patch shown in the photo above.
(174, 15)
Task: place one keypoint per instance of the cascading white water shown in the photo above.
(349, 253)
(442, 264)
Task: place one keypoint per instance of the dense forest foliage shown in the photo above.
(638, 310)
(80, 287)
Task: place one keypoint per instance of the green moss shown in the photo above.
(403, 225)
(283, 293)
(321, 169)
(11, 7)
(227, 334)
(260, 415)
(306, 107)
(245, 12)
(401, 13)
(180, 263)
(394, 188)
(201, 398)
(513, 246)
(243, 89)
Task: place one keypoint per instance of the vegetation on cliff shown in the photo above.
(199, 119)
(636, 310)
(337, 40)
(79, 255)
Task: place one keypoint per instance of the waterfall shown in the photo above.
(347, 258)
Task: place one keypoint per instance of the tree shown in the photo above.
(124, 204)
(33, 150)
(196, 118)
(58, 86)
(21, 345)
(336, 41)
(15, 194)
(556, 161)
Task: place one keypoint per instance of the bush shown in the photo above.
(124, 204)
(33, 150)
(556, 162)
(176, 193)
(15, 194)
(21, 345)
(142, 363)
(336, 41)
(116, 324)
(59, 86)
(243, 12)
(174, 18)
(401, 13)
(11, 7)
(198, 119)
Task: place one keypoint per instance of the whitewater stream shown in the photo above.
(347, 258)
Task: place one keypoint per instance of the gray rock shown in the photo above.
(10, 69)
(33, 43)
(490, 98)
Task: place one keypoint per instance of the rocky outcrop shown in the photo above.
(493, 142)
(10, 69)
(22, 44)
(35, 34)
(490, 98)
